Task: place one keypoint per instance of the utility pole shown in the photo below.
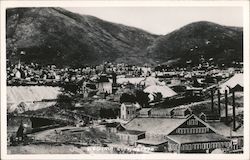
(234, 121)
(226, 107)
(212, 100)
(219, 102)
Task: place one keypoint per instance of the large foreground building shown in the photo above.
(188, 134)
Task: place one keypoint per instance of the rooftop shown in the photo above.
(226, 130)
(132, 132)
(154, 142)
(155, 125)
(192, 138)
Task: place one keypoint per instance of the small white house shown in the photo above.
(128, 111)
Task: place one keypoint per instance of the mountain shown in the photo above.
(222, 43)
(57, 36)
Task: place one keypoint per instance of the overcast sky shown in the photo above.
(162, 20)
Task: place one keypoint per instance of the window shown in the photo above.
(190, 146)
(202, 130)
(180, 131)
(203, 146)
(194, 146)
(221, 144)
(213, 145)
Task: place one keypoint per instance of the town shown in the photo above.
(122, 108)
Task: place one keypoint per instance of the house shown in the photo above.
(128, 111)
(183, 135)
(165, 112)
(145, 112)
(226, 130)
(114, 127)
(89, 89)
(103, 84)
(130, 137)
(156, 145)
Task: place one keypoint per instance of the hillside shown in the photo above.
(57, 36)
(54, 35)
(211, 40)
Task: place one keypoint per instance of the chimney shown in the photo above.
(219, 102)
(212, 100)
(226, 107)
(234, 122)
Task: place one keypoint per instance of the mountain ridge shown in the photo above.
(58, 36)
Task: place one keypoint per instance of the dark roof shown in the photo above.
(102, 78)
(193, 138)
(113, 124)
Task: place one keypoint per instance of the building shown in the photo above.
(156, 145)
(234, 83)
(236, 135)
(128, 111)
(165, 91)
(114, 127)
(181, 135)
(165, 112)
(129, 137)
(104, 85)
(145, 112)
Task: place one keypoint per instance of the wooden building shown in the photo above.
(128, 111)
(183, 135)
(130, 137)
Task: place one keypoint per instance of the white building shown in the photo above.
(128, 111)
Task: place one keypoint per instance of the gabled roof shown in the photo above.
(237, 79)
(158, 125)
(164, 90)
(150, 81)
(154, 125)
(191, 138)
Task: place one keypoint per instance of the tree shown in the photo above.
(125, 97)
(158, 97)
(142, 98)
(65, 101)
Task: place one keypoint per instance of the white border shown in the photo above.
(8, 4)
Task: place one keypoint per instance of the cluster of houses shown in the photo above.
(180, 130)
(168, 129)
(35, 74)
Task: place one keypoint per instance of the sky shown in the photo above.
(162, 20)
